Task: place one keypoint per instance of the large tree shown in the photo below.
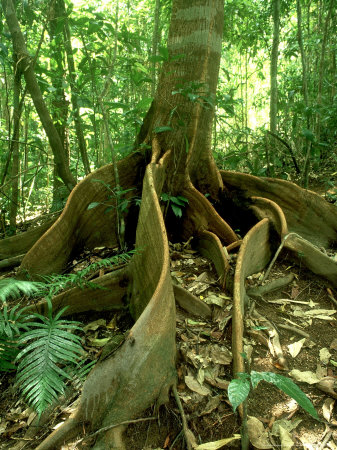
(172, 155)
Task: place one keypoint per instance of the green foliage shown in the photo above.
(177, 203)
(13, 320)
(39, 345)
(239, 388)
(116, 198)
(56, 283)
(9, 287)
(48, 344)
(125, 55)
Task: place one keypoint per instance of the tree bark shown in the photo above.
(185, 97)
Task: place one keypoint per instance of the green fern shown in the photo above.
(48, 344)
(56, 283)
(12, 322)
(9, 287)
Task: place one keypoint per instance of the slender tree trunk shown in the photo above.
(74, 94)
(155, 43)
(6, 117)
(307, 145)
(25, 162)
(321, 69)
(26, 66)
(59, 102)
(273, 73)
(15, 146)
(333, 63)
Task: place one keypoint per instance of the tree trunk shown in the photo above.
(273, 73)
(15, 146)
(26, 66)
(182, 112)
(59, 102)
(74, 96)
(307, 145)
(155, 43)
(321, 69)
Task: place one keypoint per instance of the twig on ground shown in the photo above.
(294, 329)
(190, 439)
(109, 427)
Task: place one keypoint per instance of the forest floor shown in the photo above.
(204, 364)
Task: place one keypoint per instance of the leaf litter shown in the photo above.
(204, 360)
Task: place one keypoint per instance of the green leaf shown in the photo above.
(238, 391)
(156, 58)
(93, 205)
(177, 210)
(165, 197)
(145, 103)
(288, 387)
(164, 53)
(179, 200)
(162, 129)
(308, 134)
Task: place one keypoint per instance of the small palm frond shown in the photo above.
(10, 287)
(48, 344)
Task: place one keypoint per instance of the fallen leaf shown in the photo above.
(215, 300)
(296, 347)
(288, 425)
(286, 440)
(328, 385)
(258, 436)
(327, 409)
(218, 444)
(305, 377)
(201, 376)
(93, 326)
(212, 404)
(220, 355)
(195, 386)
(324, 355)
(333, 344)
(321, 372)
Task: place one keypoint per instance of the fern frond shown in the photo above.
(47, 345)
(57, 283)
(12, 321)
(10, 287)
